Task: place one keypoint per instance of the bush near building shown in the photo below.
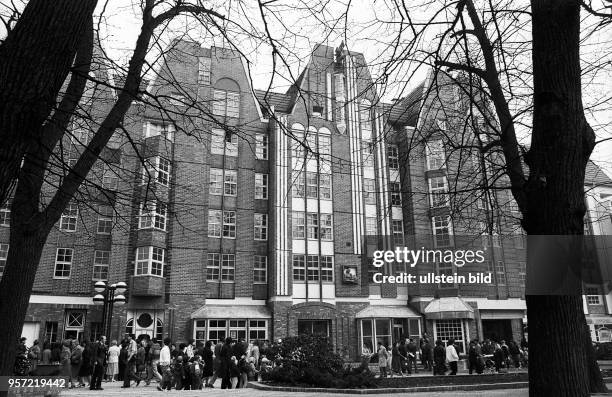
(311, 360)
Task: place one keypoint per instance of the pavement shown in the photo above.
(114, 389)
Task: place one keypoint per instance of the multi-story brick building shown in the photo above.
(261, 224)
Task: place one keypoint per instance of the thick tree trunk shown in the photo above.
(562, 142)
(35, 59)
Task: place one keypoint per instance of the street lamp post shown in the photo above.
(109, 295)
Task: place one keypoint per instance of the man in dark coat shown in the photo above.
(99, 361)
(439, 358)
(224, 367)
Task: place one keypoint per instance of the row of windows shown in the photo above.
(311, 185)
(219, 329)
(312, 226)
(223, 224)
(225, 182)
(313, 268)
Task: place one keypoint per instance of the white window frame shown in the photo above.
(150, 261)
(439, 226)
(5, 217)
(153, 215)
(260, 269)
(67, 256)
(215, 182)
(258, 326)
(593, 298)
(298, 263)
(260, 231)
(371, 226)
(154, 128)
(522, 273)
(204, 70)
(326, 263)
(105, 219)
(395, 191)
(213, 266)
(435, 155)
(367, 154)
(110, 179)
(298, 183)
(220, 145)
(261, 146)
(226, 103)
(230, 183)
(261, 186)
(220, 267)
(393, 157)
(228, 268)
(369, 191)
(438, 192)
(312, 185)
(298, 225)
(325, 186)
(446, 324)
(4, 249)
(69, 219)
(398, 233)
(156, 169)
(101, 264)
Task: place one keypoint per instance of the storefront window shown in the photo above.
(219, 329)
(450, 329)
(387, 331)
(313, 327)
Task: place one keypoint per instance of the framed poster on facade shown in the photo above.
(349, 274)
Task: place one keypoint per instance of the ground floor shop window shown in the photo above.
(313, 327)
(450, 329)
(74, 325)
(387, 331)
(219, 329)
(145, 323)
(603, 332)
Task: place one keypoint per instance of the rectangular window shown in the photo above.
(63, 263)
(442, 230)
(101, 265)
(397, 227)
(365, 118)
(260, 269)
(228, 267)
(5, 217)
(215, 184)
(216, 228)
(371, 226)
(51, 331)
(299, 268)
(68, 222)
(4, 248)
(105, 219)
(217, 330)
(159, 129)
(393, 157)
(327, 227)
(438, 192)
(297, 145)
(312, 271)
(150, 261)
(324, 147)
(229, 224)
(446, 269)
(327, 268)
(298, 183)
(450, 329)
(261, 226)
(226, 103)
(222, 142)
(395, 191)
(501, 273)
(156, 169)
(298, 225)
(593, 296)
(261, 147)
(237, 329)
(204, 65)
(319, 226)
(213, 266)
(369, 191)
(153, 214)
(312, 226)
(325, 186)
(312, 185)
(110, 179)
(367, 154)
(522, 273)
(258, 330)
(434, 154)
(261, 186)
(230, 182)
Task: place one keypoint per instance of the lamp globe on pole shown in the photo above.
(98, 299)
(120, 288)
(99, 286)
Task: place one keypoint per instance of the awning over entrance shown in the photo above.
(387, 312)
(448, 308)
(228, 311)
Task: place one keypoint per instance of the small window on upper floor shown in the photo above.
(226, 103)
(154, 128)
(204, 66)
(317, 110)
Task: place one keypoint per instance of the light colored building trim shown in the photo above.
(62, 300)
(281, 209)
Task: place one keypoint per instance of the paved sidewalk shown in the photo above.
(114, 389)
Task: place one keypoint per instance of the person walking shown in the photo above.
(153, 362)
(226, 361)
(382, 359)
(412, 356)
(217, 363)
(439, 356)
(427, 354)
(86, 363)
(113, 361)
(130, 365)
(451, 356)
(66, 368)
(208, 359)
(164, 364)
(396, 361)
(403, 351)
(76, 360)
(99, 362)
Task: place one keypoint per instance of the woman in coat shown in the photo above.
(86, 363)
(66, 368)
(383, 355)
(396, 360)
(207, 357)
(439, 354)
(76, 360)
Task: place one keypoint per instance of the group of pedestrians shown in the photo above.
(442, 358)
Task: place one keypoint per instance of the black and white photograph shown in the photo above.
(290, 197)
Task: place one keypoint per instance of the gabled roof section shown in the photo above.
(405, 111)
(595, 176)
(282, 102)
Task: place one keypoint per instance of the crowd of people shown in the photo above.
(186, 366)
(400, 359)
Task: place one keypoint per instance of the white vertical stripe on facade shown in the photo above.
(381, 159)
(355, 151)
(328, 94)
(281, 208)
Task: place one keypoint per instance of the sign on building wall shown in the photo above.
(349, 274)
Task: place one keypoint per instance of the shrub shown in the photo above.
(311, 360)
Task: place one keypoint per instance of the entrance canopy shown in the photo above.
(448, 308)
(387, 312)
(229, 311)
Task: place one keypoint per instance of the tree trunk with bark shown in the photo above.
(35, 59)
(562, 142)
